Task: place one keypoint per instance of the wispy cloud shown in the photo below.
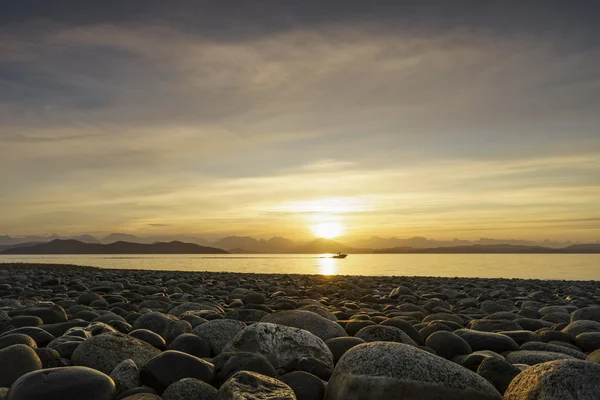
(120, 124)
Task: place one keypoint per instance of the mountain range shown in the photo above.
(317, 246)
(71, 246)
(279, 245)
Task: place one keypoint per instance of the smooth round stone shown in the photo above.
(533, 357)
(153, 321)
(41, 337)
(473, 361)
(487, 340)
(227, 364)
(381, 333)
(395, 371)
(281, 345)
(190, 388)
(24, 320)
(305, 386)
(521, 337)
(490, 325)
(16, 361)
(105, 352)
(149, 337)
(307, 320)
(139, 393)
(588, 341)
(499, 372)
(447, 344)
(218, 333)
(49, 357)
(16, 338)
(339, 346)
(541, 346)
(587, 313)
(354, 325)
(322, 311)
(190, 344)
(68, 383)
(243, 315)
(581, 326)
(252, 386)
(171, 366)
(556, 380)
(65, 345)
(405, 326)
(253, 298)
(50, 313)
(126, 376)
(433, 327)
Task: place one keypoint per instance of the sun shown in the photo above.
(327, 230)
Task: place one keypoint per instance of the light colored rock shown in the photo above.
(307, 320)
(283, 346)
(557, 380)
(218, 332)
(105, 352)
(190, 388)
(395, 371)
(252, 386)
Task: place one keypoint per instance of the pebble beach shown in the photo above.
(71, 332)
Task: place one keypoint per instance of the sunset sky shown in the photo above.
(443, 119)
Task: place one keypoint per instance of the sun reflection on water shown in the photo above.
(327, 265)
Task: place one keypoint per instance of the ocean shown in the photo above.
(540, 266)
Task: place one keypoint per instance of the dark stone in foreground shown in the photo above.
(15, 361)
(171, 366)
(68, 383)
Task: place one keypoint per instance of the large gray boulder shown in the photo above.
(218, 332)
(252, 386)
(387, 370)
(307, 320)
(382, 333)
(283, 346)
(104, 352)
(557, 380)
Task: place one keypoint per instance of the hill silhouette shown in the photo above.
(70, 246)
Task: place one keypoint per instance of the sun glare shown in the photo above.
(328, 230)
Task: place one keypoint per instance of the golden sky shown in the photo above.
(268, 120)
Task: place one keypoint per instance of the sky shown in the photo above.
(444, 119)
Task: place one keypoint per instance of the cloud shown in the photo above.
(118, 122)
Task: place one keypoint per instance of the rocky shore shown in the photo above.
(70, 333)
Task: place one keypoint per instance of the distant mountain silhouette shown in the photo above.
(280, 245)
(70, 246)
(494, 249)
(123, 237)
(248, 244)
(424, 243)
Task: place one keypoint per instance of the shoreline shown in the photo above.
(77, 267)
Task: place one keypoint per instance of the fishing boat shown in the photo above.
(340, 255)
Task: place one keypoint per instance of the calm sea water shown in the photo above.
(542, 266)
